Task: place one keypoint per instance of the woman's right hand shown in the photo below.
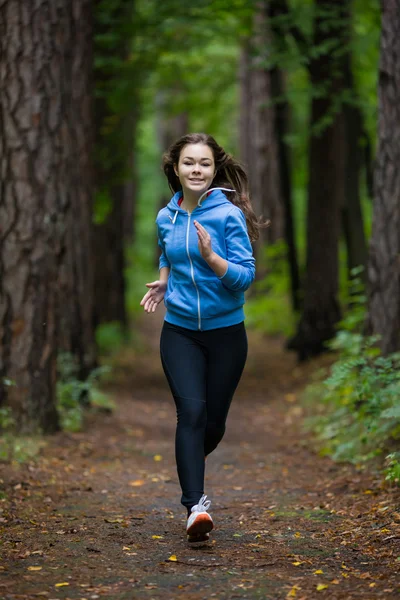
(154, 296)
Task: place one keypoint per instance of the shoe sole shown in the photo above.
(201, 526)
(198, 540)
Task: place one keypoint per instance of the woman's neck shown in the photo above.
(190, 200)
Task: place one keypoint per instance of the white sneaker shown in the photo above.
(199, 523)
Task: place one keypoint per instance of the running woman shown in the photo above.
(206, 265)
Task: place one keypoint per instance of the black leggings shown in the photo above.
(203, 369)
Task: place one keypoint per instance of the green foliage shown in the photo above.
(392, 469)
(268, 309)
(142, 255)
(74, 394)
(13, 447)
(356, 408)
(110, 337)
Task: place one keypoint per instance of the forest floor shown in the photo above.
(97, 514)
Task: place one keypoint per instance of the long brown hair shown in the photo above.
(229, 173)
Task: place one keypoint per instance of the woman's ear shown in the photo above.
(176, 171)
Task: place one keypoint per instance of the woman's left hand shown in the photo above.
(205, 246)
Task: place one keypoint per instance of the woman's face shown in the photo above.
(196, 168)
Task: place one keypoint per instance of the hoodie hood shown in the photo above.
(209, 199)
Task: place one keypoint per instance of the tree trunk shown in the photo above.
(384, 258)
(110, 263)
(282, 128)
(352, 216)
(115, 137)
(82, 138)
(245, 151)
(263, 163)
(326, 187)
(45, 298)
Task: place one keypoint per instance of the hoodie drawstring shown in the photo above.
(174, 219)
(211, 190)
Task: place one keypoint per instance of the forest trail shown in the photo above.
(97, 516)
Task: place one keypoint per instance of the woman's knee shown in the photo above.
(192, 413)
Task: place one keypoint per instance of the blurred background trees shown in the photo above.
(94, 91)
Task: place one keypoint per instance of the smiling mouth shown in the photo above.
(196, 180)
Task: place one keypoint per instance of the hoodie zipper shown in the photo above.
(192, 272)
(173, 219)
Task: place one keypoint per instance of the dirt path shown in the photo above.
(98, 515)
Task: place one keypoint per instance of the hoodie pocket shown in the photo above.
(183, 300)
(217, 300)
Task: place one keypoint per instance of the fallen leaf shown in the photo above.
(297, 534)
(61, 584)
(297, 563)
(35, 568)
(137, 482)
(157, 537)
(335, 581)
(293, 592)
(157, 457)
(371, 585)
(126, 548)
(318, 572)
(114, 520)
(365, 576)
(322, 586)
(290, 397)
(173, 558)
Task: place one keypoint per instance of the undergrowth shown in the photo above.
(268, 308)
(74, 397)
(355, 408)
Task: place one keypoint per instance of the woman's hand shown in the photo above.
(154, 296)
(205, 246)
(218, 264)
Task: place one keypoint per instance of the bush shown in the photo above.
(356, 407)
(75, 395)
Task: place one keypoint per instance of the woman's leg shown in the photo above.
(226, 357)
(184, 364)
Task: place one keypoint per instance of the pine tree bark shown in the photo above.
(285, 176)
(115, 138)
(45, 302)
(262, 143)
(326, 186)
(384, 256)
(352, 215)
(109, 251)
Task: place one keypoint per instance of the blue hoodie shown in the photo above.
(196, 298)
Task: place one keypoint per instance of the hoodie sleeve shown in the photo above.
(163, 261)
(239, 254)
